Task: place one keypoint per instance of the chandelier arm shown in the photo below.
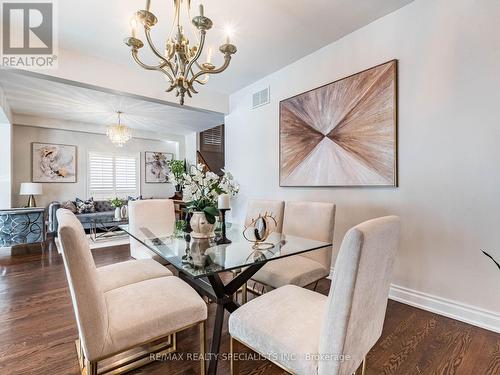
(147, 31)
(151, 67)
(198, 52)
(200, 81)
(227, 60)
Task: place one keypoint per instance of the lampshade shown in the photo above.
(30, 188)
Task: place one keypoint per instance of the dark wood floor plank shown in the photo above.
(494, 360)
(38, 329)
(455, 354)
(408, 345)
(430, 351)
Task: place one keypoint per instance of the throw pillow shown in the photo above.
(70, 205)
(85, 207)
(139, 198)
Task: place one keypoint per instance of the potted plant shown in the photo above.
(177, 171)
(117, 204)
(201, 190)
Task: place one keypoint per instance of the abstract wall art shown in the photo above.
(156, 169)
(343, 133)
(53, 162)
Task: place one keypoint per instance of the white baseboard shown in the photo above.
(452, 309)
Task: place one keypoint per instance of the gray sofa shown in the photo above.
(102, 208)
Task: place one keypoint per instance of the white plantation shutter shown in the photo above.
(213, 136)
(100, 173)
(126, 174)
(112, 175)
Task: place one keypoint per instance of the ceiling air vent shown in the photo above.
(261, 98)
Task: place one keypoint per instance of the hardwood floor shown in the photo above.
(38, 329)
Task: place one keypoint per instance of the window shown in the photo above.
(112, 176)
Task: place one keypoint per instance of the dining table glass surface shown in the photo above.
(204, 257)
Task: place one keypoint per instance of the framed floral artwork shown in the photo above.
(53, 163)
(156, 166)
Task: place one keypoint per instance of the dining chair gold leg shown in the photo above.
(202, 348)
(79, 353)
(235, 365)
(82, 354)
(362, 368)
(90, 367)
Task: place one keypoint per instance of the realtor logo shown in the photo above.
(28, 34)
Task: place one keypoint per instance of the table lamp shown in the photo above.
(31, 189)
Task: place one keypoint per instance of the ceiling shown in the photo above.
(34, 96)
(269, 34)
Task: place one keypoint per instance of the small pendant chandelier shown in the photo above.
(180, 59)
(119, 134)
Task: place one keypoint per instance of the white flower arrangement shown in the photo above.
(201, 189)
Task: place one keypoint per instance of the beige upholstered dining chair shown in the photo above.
(158, 215)
(258, 207)
(124, 307)
(307, 333)
(312, 220)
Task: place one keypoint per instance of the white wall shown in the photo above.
(5, 152)
(191, 141)
(449, 127)
(5, 164)
(25, 135)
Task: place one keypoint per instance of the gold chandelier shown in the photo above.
(119, 134)
(180, 60)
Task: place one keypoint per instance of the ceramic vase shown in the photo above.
(200, 226)
(118, 213)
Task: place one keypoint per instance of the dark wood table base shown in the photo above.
(223, 295)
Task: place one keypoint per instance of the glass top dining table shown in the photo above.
(200, 263)
(202, 258)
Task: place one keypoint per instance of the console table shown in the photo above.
(22, 226)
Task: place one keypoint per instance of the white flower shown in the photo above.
(200, 185)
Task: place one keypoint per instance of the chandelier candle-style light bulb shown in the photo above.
(180, 63)
(208, 64)
(133, 26)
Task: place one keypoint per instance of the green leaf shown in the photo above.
(210, 218)
(210, 213)
(211, 210)
(218, 190)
